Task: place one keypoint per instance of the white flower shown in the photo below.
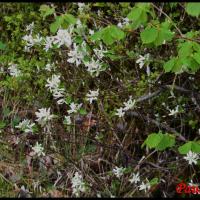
(76, 56)
(38, 39)
(79, 24)
(125, 21)
(29, 40)
(118, 171)
(25, 126)
(145, 186)
(129, 104)
(78, 185)
(53, 86)
(120, 25)
(174, 111)
(99, 12)
(30, 27)
(81, 7)
(142, 60)
(94, 67)
(38, 149)
(43, 116)
(148, 70)
(61, 101)
(49, 67)
(74, 107)
(135, 178)
(120, 112)
(67, 120)
(91, 32)
(92, 95)
(24, 189)
(53, 82)
(48, 43)
(63, 37)
(84, 49)
(13, 70)
(58, 93)
(100, 52)
(191, 157)
(27, 49)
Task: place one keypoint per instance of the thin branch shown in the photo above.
(160, 125)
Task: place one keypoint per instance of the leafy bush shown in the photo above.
(98, 99)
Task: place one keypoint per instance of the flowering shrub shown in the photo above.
(99, 99)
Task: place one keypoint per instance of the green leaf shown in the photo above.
(96, 36)
(185, 49)
(152, 140)
(189, 146)
(68, 100)
(159, 141)
(193, 9)
(149, 35)
(157, 35)
(168, 66)
(165, 142)
(62, 20)
(69, 19)
(46, 11)
(154, 181)
(82, 111)
(139, 14)
(163, 35)
(109, 34)
(196, 56)
(56, 25)
(134, 14)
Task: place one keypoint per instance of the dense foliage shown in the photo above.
(99, 99)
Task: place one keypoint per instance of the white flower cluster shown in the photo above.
(25, 126)
(191, 157)
(100, 52)
(38, 150)
(127, 106)
(119, 171)
(76, 55)
(144, 185)
(13, 70)
(53, 86)
(43, 116)
(92, 95)
(30, 40)
(142, 60)
(78, 185)
(74, 108)
(49, 66)
(94, 67)
(135, 178)
(174, 111)
(125, 21)
(63, 37)
(67, 120)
